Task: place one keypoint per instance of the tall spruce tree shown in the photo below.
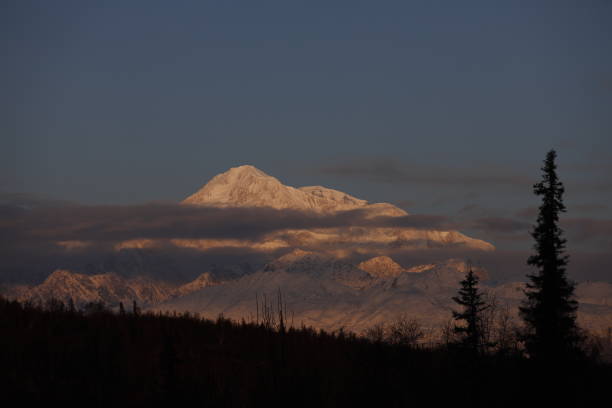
(471, 299)
(549, 310)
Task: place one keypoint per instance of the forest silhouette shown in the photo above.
(96, 357)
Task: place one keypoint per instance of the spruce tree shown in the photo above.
(549, 310)
(471, 299)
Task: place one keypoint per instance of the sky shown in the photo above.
(440, 107)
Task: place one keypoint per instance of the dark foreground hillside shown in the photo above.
(100, 359)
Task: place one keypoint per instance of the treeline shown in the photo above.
(94, 357)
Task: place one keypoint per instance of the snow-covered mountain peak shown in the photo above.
(241, 174)
(243, 186)
(381, 267)
(298, 260)
(59, 275)
(247, 186)
(204, 280)
(106, 287)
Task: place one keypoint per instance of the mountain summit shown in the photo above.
(247, 186)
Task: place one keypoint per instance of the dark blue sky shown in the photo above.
(444, 107)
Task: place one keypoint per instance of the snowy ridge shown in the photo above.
(320, 291)
(329, 294)
(321, 266)
(109, 288)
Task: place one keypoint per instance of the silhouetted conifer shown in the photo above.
(549, 311)
(135, 308)
(71, 306)
(470, 298)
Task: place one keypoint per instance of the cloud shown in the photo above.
(589, 231)
(31, 264)
(156, 221)
(586, 233)
(501, 225)
(29, 237)
(469, 209)
(389, 170)
(113, 224)
(593, 177)
(527, 212)
(405, 203)
(29, 249)
(589, 207)
(28, 201)
(473, 210)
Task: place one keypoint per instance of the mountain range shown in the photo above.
(317, 289)
(319, 282)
